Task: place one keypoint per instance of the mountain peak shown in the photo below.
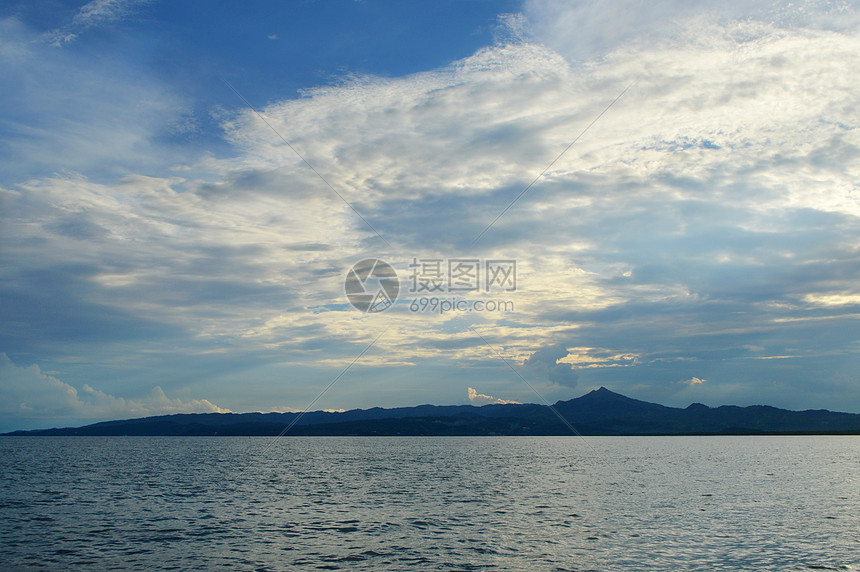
(603, 392)
(602, 401)
(697, 407)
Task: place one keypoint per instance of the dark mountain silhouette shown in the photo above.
(599, 412)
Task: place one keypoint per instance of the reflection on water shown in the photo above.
(458, 503)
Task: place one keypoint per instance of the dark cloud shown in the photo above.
(456, 343)
(309, 247)
(77, 226)
(46, 311)
(545, 362)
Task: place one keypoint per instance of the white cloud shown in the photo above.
(93, 14)
(13, 41)
(694, 381)
(29, 393)
(481, 399)
(587, 30)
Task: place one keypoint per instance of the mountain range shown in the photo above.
(599, 412)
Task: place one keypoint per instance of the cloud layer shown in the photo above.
(32, 395)
(704, 228)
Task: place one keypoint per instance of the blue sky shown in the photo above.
(163, 250)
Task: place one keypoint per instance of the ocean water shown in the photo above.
(457, 503)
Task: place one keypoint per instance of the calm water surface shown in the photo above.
(459, 503)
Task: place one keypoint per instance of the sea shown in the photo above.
(430, 503)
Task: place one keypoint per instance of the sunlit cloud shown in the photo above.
(476, 398)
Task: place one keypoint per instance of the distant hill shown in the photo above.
(599, 412)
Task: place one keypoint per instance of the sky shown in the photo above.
(662, 198)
